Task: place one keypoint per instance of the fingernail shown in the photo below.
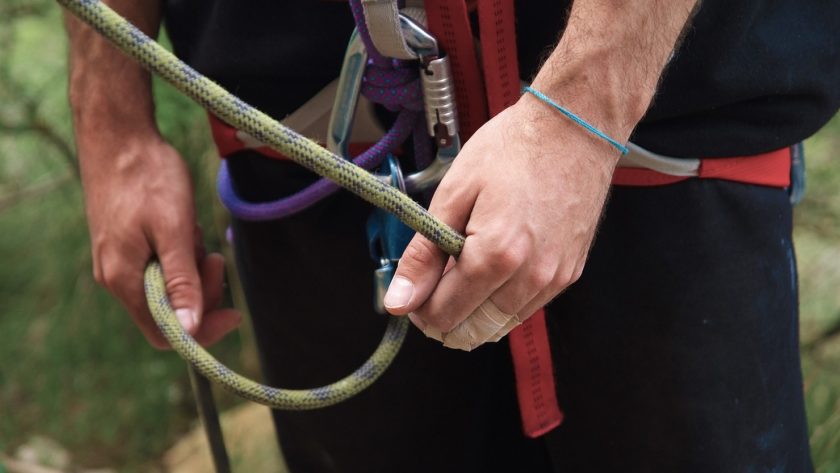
(186, 317)
(399, 293)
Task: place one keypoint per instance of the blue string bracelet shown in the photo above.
(580, 121)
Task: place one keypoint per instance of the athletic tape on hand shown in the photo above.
(486, 324)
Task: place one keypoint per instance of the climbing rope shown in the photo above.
(289, 399)
(301, 150)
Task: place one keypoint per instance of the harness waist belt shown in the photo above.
(639, 167)
(229, 140)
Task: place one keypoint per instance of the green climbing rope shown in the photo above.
(305, 152)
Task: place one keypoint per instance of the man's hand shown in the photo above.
(528, 188)
(138, 193)
(527, 191)
(139, 203)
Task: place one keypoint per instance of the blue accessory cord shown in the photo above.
(600, 134)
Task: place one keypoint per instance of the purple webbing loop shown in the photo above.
(322, 188)
(389, 82)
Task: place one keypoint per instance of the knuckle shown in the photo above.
(111, 275)
(577, 273)
(564, 279)
(506, 258)
(421, 252)
(445, 325)
(178, 282)
(97, 275)
(446, 188)
(168, 224)
(433, 319)
(541, 277)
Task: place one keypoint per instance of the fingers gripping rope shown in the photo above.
(303, 151)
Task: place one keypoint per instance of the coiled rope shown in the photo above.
(305, 152)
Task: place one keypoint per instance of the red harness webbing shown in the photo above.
(769, 169)
(449, 22)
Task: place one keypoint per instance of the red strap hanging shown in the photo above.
(449, 22)
(497, 32)
(534, 372)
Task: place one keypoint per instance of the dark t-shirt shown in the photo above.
(751, 76)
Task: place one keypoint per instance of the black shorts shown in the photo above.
(677, 351)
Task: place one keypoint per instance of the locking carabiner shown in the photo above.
(438, 99)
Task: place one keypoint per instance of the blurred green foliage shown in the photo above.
(74, 368)
(72, 365)
(817, 239)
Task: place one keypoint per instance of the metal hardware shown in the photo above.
(436, 77)
(421, 42)
(347, 97)
(434, 172)
(390, 230)
(438, 99)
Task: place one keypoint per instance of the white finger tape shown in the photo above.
(486, 324)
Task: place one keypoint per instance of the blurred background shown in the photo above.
(80, 390)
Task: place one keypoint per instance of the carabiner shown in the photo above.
(438, 99)
(347, 96)
(420, 41)
(436, 76)
(387, 237)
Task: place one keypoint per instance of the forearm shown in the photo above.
(609, 60)
(110, 94)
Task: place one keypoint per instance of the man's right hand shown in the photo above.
(138, 193)
(139, 203)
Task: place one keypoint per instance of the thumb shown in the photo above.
(417, 275)
(183, 285)
(422, 263)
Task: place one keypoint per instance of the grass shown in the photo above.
(72, 365)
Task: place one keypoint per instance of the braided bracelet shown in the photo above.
(600, 134)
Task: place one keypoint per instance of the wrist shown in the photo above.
(115, 115)
(596, 86)
(109, 157)
(577, 120)
(554, 134)
(608, 62)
